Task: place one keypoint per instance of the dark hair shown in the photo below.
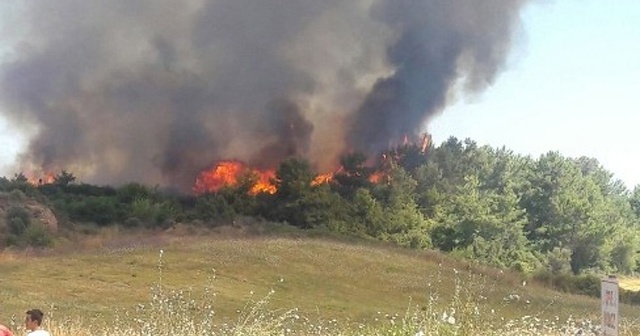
(35, 315)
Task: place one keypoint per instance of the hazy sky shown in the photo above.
(572, 86)
(569, 87)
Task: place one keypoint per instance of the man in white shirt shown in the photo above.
(33, 323)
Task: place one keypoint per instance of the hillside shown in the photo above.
(552, 214)
(38, 211)
(324, 278)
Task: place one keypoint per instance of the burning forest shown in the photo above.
(197, 94)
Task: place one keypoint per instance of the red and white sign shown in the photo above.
(609, 301)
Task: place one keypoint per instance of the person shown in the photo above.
(4, 331)
(33, 323)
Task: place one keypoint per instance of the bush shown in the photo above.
(22, 231)
(584, 284)
(132, 222)
(131, 192)
(152, 213)
(17, 195)
(213, 207)
(37, 236)
(100, 210)
(16, 226)
(18, 219)
(19, 212)
(629, 297)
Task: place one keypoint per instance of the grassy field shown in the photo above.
(629, 283)
(322, 279)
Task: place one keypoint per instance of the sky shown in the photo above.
(569, 86)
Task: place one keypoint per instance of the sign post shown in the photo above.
(609, 302)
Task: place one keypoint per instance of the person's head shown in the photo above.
(34, 319)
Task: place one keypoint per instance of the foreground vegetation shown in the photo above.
(250, 282)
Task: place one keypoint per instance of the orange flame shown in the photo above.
(263, 184)
(322, 179)
(228, 173)
(377, 177)
(38, 179)
(426, 142)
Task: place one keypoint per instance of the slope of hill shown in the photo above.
(36, 210)
(323, 278)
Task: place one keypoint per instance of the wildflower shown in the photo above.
(448, 318)
(451, 319)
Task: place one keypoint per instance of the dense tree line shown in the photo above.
(554, 213)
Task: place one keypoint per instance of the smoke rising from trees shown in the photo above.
(156, 91)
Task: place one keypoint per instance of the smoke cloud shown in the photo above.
(156, 91)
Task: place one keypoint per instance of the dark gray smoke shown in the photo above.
(156, 91)
(438, 43)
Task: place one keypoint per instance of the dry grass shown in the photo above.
(630, 283)
(266, 285)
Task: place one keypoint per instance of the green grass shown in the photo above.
(321, 278)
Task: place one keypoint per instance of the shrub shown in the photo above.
(18, 219)
(100, 210)
(17, 211)
(17, 195)
(132, 222)
(23, 231)
(629, 296)
(584, 284)
(213, 207)
(37, 235)
(16, 226)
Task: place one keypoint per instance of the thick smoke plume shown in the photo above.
(156, 91)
